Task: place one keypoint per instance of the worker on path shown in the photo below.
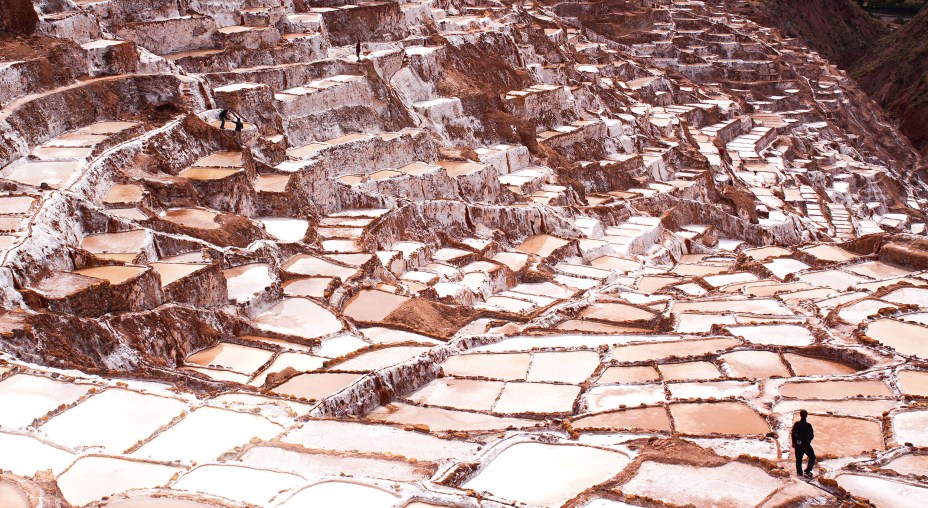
(357, 50)
(802, 436)
(223, 116)
(239, 123)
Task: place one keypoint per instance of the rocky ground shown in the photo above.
(583, 254)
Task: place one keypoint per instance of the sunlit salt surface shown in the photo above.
(338, 493)
(906, 338)
(316, 386)
(844, 436)
(25, 455)
(140, 501)
(130, 417)
(11, 496)
(510, 366)
(808, 366)
(545, 474)
(835, 389)
(300, 317)
(778, 335)
(911, 427)
(438, 419)
(536, 398)
(459, 393)
(380, 358)
(909, 465)
(372, 438)
(243, 282)
(914, 382)
(195, 437)
(243, 484)
(285, 229)
(883, 492)
(755, 364)
(730, 485)
(717, 418)
(80, 483)
(235, 357)
(298, 361)
(25, 398)
(652, 419)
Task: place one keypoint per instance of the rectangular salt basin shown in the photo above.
(25, 455)
(538, 398)
(195, 438)
(24, 398)
(373, 438)
(81, 483)
(443, 420)
(235, 357)
(115, 419)
(513, 366)
(459, 393)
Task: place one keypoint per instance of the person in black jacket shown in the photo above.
(223, 116)
(802, 435)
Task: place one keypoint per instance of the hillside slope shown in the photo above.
(895, 74)
(840, 30)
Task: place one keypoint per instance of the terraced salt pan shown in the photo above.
(25, 398)
(235, 357)
(883, 492)
(316, 386)
(845, 436)
(754, 364)
(910, 464)
(173, 272)
(761, 306)
(545, 474)
(809, 366)
(536, 398)
(25, 455)
(380, 358)
(851, 407)
(913, 382)
(908, 296)
(112, 274)
(777, 335)
(196, 218)
(621, 375)
(372, 438)
(713, 389)
(858, 312)
(339, 493)
(906, 338)
(542, 245)
(239, 483)
(827, 252)
(652, 419)
(298, 361)
(304, 264)
(835, 389)
(442, 420)
(373, 305)
(834, 279)
(877, 270)
(512, 366)
(313, 287)
(11, 496)
(311, 464)
(195, 437)
(300, 317)
(615, 312)
(611, 397)
(689, 370)
(114, 419)
(80, 483)
(563, 367)
(732, 485)
(689, 322)
(910, 427)
(285, 229)
(245, 281)
(717, 418)
(154, 502)
(661, 350)
(459, 393)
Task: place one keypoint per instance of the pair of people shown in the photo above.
(224, 115)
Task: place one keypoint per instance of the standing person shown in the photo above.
(802, 435)
(223, 116)
(357, 50)
(239, 124)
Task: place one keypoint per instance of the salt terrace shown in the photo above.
(590, 254)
